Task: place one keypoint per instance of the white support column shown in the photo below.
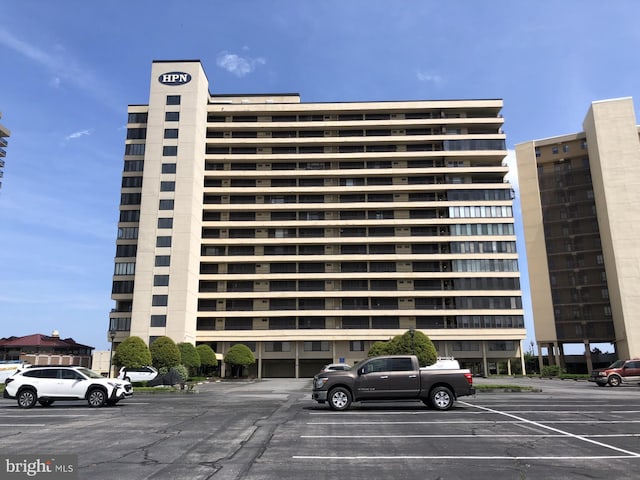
(259, 347)
(485, 366)
(522, 362)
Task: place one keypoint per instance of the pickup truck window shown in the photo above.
(389, 365)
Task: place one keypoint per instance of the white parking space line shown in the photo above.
(454, 457)
(549, 435)
(547, 427)
(434, 422)
(22, 425)
(51, 415)
(474, 422)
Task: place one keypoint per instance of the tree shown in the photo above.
(164, 353)
(132, 353)
(189, 356)
(207, 357)
(412, 342)
(378, 348)
(239, 356)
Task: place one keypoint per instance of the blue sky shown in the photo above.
(71, 67)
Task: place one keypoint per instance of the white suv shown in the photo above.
(140, 374)
(47, 384)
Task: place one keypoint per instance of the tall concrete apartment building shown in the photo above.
(308, 231)
(580, 195)
(4, 134)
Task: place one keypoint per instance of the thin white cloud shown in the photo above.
(430, 77)
(59, 64)
(239, 66)
(78, 134)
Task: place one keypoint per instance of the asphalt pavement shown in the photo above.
(271, 429)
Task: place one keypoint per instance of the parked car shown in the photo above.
(621, 371)
(140, 374)
(335, 366)
(392, 377)
(46, 384)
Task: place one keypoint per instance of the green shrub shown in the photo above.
(189, 356)
(164, 353)
(239, 356)
(551, 371)
(132, 353)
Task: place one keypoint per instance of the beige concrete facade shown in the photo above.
(579, 197)
(308, 231)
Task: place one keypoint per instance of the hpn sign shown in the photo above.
(174, 78)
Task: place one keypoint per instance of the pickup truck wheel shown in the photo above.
(97, 398)
(614, 380)
(339, 398)
(441, 398)
(27, 398)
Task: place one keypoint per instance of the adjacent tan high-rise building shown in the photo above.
(580, 195)
(308, 231)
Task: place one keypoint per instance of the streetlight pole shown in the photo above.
(412, 331)
(112, 336)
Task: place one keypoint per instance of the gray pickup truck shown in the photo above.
(394, 377)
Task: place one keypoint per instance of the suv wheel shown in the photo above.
(97, 397)
(614, 380)
(27, 398)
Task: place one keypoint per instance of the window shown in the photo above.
(128, 233)
(168, 168)
(131, 182)
(134, 149)
(125, 268)
(165, 222)
(125, 286)
(136, 133)
(322, 346)
(120, 323)
(171, 116)
(133, 165)
(166, 204)
(170, 133)
(163, 260)
(167, 186)
(173, 99)
(130, 198)
(137, 118)
(356, 346)
(129, 215)
(277, 347)
(158, 321)
(169, 150)
(126, 250)
(160, 300)
(163, 241)
(161, 280)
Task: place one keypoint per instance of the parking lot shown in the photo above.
(271, 429)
